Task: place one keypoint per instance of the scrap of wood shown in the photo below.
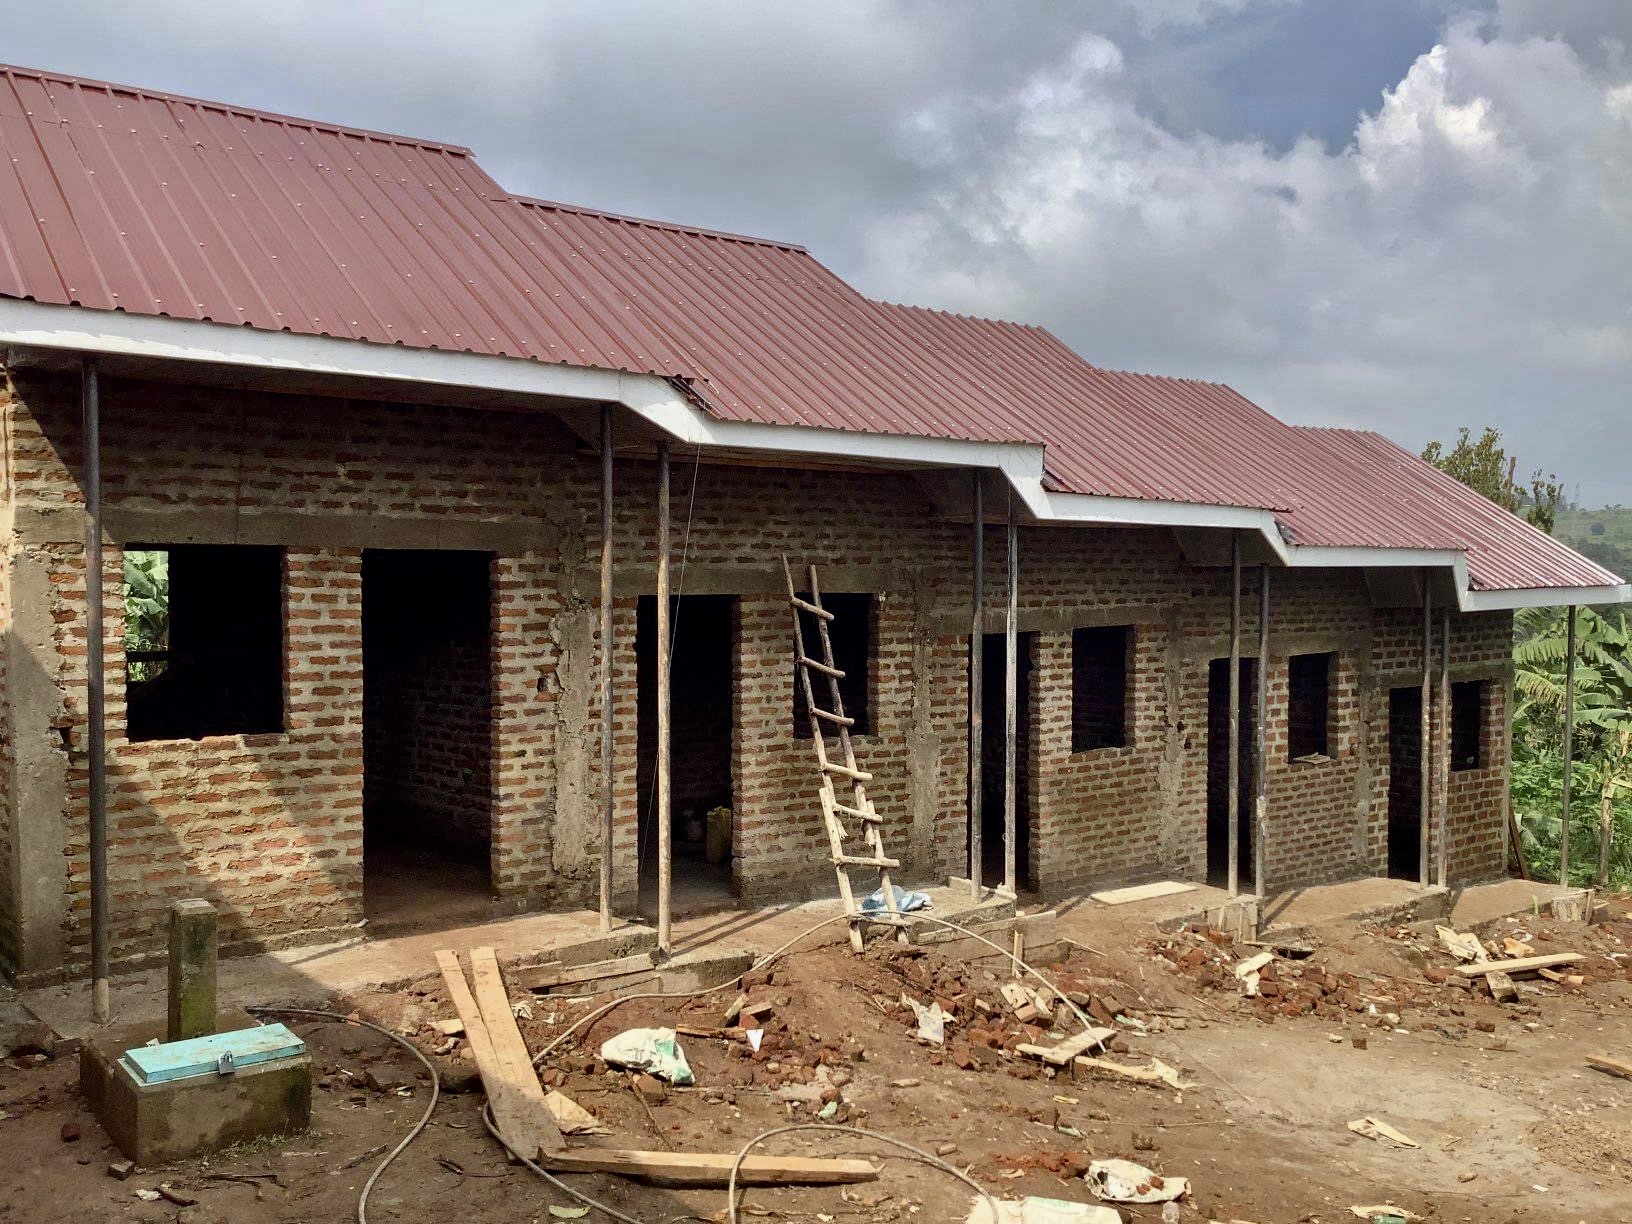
(735, 1010)
(1158, 1072)
(1375, 1128)
(1613, 1065)
(1464, 945)
(709, 1168)
(1141, 892)
(550, 976)
(1524, 964)
(1516, 947)
(508, 1078)
(1065, 1051)
(571, 1117)
(1015, 995)
(1563, 979)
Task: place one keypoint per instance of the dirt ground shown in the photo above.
(1512, 1125)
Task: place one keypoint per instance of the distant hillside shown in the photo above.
(1605, 535)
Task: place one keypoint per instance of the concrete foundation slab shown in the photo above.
(160, 1122)
(1372, 898)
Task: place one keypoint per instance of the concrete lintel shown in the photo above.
(1048, 620)
(126, 526)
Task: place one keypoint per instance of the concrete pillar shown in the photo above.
(192, 970)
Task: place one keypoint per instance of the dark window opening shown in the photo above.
(851, 634)
(203, 641)
(1099, 687)
(1309, 705)
(1468, 725)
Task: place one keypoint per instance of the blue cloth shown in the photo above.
(905, 902)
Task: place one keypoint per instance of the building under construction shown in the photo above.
(403, 490)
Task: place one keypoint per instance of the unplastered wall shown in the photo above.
(1481, 649)
(8, 865)
(329, 478)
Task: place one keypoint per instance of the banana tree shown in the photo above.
(1603, 702)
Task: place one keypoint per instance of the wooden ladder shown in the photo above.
(858, 806)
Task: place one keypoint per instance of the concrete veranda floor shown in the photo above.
(310, 975)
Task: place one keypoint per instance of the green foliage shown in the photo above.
(147, 609)
(1601, 775)
(1485, 467)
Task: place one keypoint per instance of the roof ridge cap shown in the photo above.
(585, 210)
(232, 108)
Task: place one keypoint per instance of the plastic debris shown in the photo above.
(1122, 1181)
(931, 1020)
(1384, 1213)
(905, 902)
(649, 1049)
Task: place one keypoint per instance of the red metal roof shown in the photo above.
(116, 198)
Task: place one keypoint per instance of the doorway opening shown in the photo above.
(994, 655)
(1218, 773)
(427, 736)
(701, 672)
(1405, 783)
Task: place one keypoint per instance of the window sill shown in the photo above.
(1311, 759)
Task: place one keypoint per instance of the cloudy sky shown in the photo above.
(1402, 214)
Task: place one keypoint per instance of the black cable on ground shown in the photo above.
(424, 1118)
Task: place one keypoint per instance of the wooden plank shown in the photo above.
(511, 1109)
(1613, 1065)
(709, 1168)
(1065, 1051)
(511, 1060)
(1521, 964)
(1141, 892)
(547, 976)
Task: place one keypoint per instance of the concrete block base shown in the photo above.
(156, 1123)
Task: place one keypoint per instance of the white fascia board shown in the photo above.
(1545, 597)
(116, 333)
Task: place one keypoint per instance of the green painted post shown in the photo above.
(192, 970)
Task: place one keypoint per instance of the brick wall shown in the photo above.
(271, 826)
(9, 951)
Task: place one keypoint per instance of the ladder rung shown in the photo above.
(804, 605)
(866, 814)
(855, 860)
(818, 665)
(829, 716)
(860, 775)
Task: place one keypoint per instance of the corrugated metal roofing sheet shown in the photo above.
(117, 198)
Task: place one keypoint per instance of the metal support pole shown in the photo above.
(1260, 752)
(95, 688)
(1442, 849)
(976, 676)
(1235, 714)
(608, 806)
(1011, 703)
(665, 855)
(1425, 749)
(1569, 747)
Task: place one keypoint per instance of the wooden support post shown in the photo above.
(1235, 714)
(976, 676)
(608, 787)
(193, 956)
(1425, 811)
(96, 731)
(1442, 800)
(1260, 748)
(1011, 706)
(1569, 747)
(665, 863)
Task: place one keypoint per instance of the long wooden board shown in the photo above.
(709, 1168)
(1520, 964)
(521, 1115)
(514, 1062)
